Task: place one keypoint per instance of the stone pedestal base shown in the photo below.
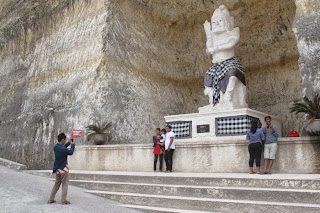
(220, 125)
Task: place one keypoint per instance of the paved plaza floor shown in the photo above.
(22, 192)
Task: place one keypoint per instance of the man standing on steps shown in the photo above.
(270, 145)
(60, 167)
(170, 147)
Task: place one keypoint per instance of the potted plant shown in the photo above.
(97, 133)
(311, 108)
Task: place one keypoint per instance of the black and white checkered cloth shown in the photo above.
(219, 70)
(233, 125)
(181, 129)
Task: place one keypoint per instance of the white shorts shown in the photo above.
(270, 150)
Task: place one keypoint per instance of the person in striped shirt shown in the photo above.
(60, 167)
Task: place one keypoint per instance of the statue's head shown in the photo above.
(221, 20)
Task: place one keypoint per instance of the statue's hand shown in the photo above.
(207, 27)
(212, 49)
(208, 91)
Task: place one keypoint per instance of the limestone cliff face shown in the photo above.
(50, 52)
(307, 30)
(69, 63)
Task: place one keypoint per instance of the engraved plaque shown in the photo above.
(203, 128)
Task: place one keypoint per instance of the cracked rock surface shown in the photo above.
(70, 63)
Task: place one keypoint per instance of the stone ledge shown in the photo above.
(222, 142)
(295, 155)
(12, 164)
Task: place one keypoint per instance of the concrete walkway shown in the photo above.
(22, 192)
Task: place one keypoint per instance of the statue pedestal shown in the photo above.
(216, 125)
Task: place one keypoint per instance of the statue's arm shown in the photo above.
(209, 43)
(231, 43)
(212, 49)
(207, 29)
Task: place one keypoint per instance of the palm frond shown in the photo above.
(311, 133)
(106, 126)
(309, 107)
(92, 128)
(98, 128)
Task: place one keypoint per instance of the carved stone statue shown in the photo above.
(225, 80)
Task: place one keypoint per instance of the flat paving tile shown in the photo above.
(23, 192)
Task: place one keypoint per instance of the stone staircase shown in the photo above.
(205, 192)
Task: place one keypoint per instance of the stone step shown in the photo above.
(284, 181)
(152, 209)
(261, 194)
(207, 204)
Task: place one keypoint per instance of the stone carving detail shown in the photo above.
(225, 80)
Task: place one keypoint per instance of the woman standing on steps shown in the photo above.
(255, 137)
(157, 151)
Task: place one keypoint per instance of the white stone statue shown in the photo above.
(225, 80)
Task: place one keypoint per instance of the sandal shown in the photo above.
(66, 202)
(252, 173)
(51, 201)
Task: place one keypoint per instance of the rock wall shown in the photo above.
(307, 31)
(268, 51)
(50, 52)
(66, 63)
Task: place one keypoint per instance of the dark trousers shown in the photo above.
(168, 159)
(156, 160)
(255, 150)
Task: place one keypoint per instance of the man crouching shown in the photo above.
(60, 167)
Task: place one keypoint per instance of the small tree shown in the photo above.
(308, 107)
(97, 128)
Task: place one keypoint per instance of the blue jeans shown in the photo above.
(156, 160)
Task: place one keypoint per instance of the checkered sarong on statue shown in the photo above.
(218, 70)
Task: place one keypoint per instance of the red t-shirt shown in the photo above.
(156, 149)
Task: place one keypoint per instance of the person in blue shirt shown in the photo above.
(60, 167)
(270, 145)
(255, 137)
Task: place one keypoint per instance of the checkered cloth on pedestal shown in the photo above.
(181, 129)
(233, 125)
